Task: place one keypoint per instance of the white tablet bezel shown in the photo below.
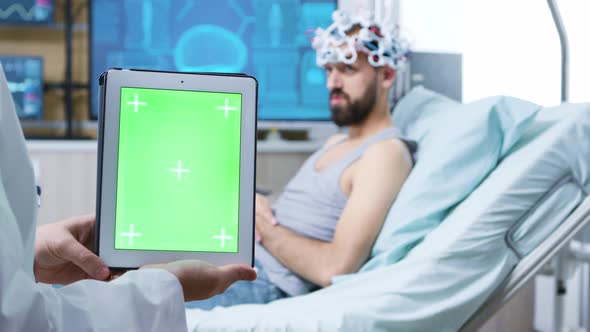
(111, 83)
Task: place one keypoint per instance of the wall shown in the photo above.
(433, 26)
(509, 47)
(353, 6)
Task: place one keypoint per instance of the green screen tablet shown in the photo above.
(174, 183)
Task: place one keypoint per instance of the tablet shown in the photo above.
(176, 168)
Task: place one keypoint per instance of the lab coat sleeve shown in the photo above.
(146, 300)
(143, 301)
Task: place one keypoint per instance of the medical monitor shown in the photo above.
(25, 81)
(263, 38)
(26, 12)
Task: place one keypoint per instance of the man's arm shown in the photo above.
(380, 174)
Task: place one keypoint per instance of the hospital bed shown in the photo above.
(533, 263)
(502, 201)
(513, 222)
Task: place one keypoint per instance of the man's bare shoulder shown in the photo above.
(390, 152)
(334, 138)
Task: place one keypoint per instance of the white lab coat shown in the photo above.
(146, 300)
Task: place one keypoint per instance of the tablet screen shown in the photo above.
(178, 175)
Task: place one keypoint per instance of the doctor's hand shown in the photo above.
(63, 252)
(201, 280)
(263, 216)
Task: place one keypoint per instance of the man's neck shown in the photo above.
(378, 120)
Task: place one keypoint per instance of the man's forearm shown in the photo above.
(309, 258)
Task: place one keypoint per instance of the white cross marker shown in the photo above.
(226, 108)
(179, 170)
(136, 103)
(222, 237)
(130, 234)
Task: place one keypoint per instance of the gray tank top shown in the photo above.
(311, 206)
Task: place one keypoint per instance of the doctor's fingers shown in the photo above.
(217, 281)
(236, 272)
(82, 228)
(201, 280)
(116, 273)
(73, 251)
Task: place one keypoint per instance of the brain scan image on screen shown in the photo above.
(262, 38)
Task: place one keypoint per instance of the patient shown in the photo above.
(329, 215)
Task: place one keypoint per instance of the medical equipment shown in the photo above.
(382, 44)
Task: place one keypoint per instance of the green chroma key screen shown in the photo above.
(178, 175)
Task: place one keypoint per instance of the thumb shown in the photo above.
(85, 259)
(236, 272)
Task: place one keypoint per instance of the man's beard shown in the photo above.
(353, 113)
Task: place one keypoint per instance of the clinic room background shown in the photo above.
(53, 52)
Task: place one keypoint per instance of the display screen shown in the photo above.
(178, 175)
(26, 11)
(263, 38)
(25, 82)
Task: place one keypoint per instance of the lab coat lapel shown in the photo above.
(16, 172)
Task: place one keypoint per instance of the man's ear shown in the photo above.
(388, 76)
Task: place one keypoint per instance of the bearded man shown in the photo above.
(329, 215)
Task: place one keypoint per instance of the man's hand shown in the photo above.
(263, 217)
(63, 252)
(201, 280)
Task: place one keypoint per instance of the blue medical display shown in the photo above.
(26, 11)
(25, 82)
(263, 38)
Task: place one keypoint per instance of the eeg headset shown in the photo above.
(381, 44)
